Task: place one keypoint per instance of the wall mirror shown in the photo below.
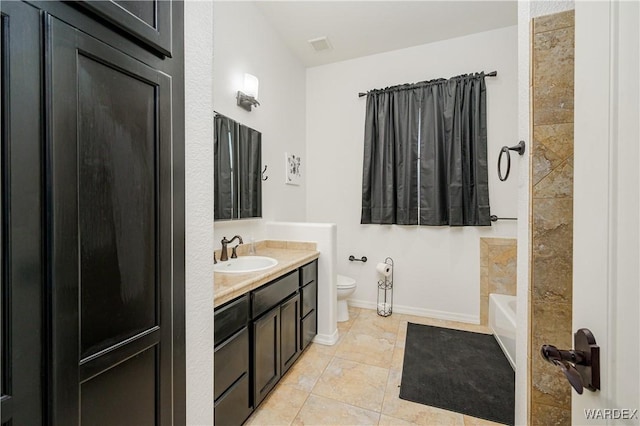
(238, 177)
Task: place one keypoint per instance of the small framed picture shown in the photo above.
(293, 173)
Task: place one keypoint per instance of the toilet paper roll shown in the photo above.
(384, 269)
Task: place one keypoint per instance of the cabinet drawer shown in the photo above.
(309, 273)
(233, 407)
(231, 361)
(309, 297)
(230, 318)
(308, 330)
(271, 295)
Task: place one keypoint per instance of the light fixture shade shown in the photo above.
(250, 87)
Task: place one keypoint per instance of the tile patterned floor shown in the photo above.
(357, 380)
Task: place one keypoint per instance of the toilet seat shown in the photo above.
(345, 282)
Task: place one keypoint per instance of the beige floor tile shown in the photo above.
(392, 421)
(280, 407)
(318, 410)
(372, 323)
(474, 421)
(398, 358)
(365, 348)
(353, 383)
(305, 372)
(327, 350)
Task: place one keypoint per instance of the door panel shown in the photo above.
(289, 332)
(21, 231)
(116, 205)
(266, 360)
(109, 215)
(124, 395)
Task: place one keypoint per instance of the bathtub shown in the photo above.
(502, 321)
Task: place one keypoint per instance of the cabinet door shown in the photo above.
(289, 332)
(147, 20)
(22, 268)
(266, 354)
(108, 212)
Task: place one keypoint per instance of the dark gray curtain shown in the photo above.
(389, 184)
(249, 172)
(224, 185)
(453, 186)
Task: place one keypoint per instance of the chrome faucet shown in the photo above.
(224, 255)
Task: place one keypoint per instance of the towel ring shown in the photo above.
(505, 149)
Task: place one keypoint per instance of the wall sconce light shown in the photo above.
(248, 96)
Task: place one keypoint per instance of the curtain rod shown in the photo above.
(489, 74)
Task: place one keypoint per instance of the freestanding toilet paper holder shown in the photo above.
(385, 292)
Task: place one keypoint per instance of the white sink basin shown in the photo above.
(245, 264)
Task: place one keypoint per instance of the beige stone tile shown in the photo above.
(557, 184)
(484, 252)
(280, 407)
(556, 137)
(502, 269)
(543, 160)
(328, 350)
(500, 241)
(553, 59)
(401, 337)
(554, 21)
(318, 410)
(365, 348)
(276, 244)
(552, 247)
(305, 372)
(484, 310)
(550, 387)
(392, 421)
(398, 357)
(551, 324)
(547, 415)
(353, 383)
(484, 280)
(474, 421)
(300, 245)
(370, 322)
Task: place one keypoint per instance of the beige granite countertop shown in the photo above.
(289, 254)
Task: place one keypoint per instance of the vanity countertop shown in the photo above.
(289, 254)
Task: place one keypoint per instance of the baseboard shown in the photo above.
(420, 312)
(327, 339)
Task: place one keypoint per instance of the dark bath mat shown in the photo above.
(458, 371)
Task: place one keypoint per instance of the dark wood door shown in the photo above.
(289, 332)
(108, 204)
(21, 216)
(266, 358)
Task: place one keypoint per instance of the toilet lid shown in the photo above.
(345, 282)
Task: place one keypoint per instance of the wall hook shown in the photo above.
(263, 172)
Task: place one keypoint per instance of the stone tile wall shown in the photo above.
(497, 270)
(552, 83)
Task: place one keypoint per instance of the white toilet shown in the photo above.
(346, 287)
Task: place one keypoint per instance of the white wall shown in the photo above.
(437, 268)
(245, 42)
(324, 234)
(526, 11)
(199, 212)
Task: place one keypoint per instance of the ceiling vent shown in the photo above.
(319, 44)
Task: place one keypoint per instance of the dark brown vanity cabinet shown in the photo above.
(258, 337)
(275, 335)
(309, 296)
(232, 380)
